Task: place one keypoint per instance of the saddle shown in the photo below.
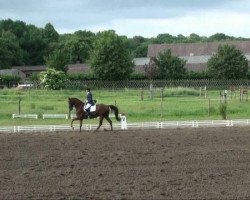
(92, 108)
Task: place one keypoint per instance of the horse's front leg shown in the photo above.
(80, 125)
(72, 123)
(77, 118)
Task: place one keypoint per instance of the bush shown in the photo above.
(137, 76)
(52, 79)
(34, 77)
(81, 77)
(197, 75)
(9, 79)
(223, 110)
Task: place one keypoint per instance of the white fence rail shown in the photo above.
(138, 125)
(30, 116)
(48, 116)
(55, 116)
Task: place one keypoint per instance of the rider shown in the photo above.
(89, 102)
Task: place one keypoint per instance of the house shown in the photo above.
(13, 72)
(28, 70)
(197, 54)
(72, 68)
(78, 67)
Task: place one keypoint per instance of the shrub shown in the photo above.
(8, 79)
(223, 110)
(52, 79)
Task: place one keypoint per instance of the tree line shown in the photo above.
(26, 44)
(109, 55)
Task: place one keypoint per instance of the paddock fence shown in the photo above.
(129, 126)
(143, 84)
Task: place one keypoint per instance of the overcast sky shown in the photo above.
(146, 18)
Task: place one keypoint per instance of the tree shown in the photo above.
(57, 60)
(228, 63)
(138, 46)
(51, 38)
(110, 59)
(219, 37)
(164, 38)
(141, 50)
(169, 66)
(34, 44)
(77, 46)
(150, 69)
(77, 49)
(10, 51)
(50, 34)
(29, 38)
(18, 28)
(194, 37)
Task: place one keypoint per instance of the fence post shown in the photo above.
(209, 104)
(142, 93)
(151, 90)
(123, 122)
(162, 102)
(19, 105)
(205, 88)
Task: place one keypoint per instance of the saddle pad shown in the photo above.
(93, 108)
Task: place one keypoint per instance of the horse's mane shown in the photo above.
(76, 101)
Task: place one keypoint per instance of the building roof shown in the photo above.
(15, 72)
(76, 68)
(9, 71)
(196, 59)
(141, 61)
(196, 49)
(30, 68)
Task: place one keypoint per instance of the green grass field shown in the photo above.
(169, 104)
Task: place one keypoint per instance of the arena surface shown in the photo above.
(134, 164)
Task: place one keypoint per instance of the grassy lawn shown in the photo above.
(169, 104)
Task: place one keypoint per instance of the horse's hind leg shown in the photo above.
(110, 122)
(80, 125)
(100, 123)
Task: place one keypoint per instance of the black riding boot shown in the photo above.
(88, 113)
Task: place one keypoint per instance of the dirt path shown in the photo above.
(152, 164)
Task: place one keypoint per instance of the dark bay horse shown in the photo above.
(102, 111)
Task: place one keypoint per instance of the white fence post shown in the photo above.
(123, 122)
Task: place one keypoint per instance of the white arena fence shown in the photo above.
(46, 116)
(29, 116)
(55, 116)
(132, 126)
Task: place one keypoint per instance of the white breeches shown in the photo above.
(88, 105)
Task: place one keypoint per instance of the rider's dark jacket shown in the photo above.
(89, 99)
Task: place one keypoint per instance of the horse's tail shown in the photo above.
(114, 109)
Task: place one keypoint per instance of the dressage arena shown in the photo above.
(179, 163)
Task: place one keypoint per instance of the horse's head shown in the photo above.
(74, 102)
